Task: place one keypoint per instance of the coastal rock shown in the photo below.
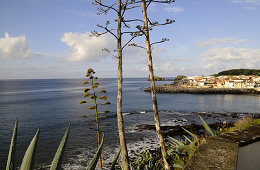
(194, 90)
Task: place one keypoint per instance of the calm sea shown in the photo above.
(52, 103)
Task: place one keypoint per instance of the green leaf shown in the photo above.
(177, 142)
(10, 165)
(192, 134)
(93, 163)
(115, 160)
(206, 126)
(28, 158)
(56, 163)
(187, 139)
(177, 166)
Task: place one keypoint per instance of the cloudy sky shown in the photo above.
(50, 39)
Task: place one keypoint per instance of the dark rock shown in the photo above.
(194, 90)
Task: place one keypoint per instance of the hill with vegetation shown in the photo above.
(157, 78)
(234, 72)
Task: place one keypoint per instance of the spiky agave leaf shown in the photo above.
(28, 158)
(206, 126)
(176, 142)
(187, 139)
(10, 165)
(192, 134)
(56, 163)
(115, 160)
(93, 162)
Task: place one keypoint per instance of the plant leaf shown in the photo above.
(56, 163)
(93, 162)
(10, 165)
(28, 158)
(177, 142)
(177, 166)
(190, 133)
(206, 126)
(115, 160)
(187, 139)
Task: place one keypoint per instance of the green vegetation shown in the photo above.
(179, 152)
(245, 72)
(241, 124)
(179, 77)
(91, 93)
(157, 78)
(28, 159)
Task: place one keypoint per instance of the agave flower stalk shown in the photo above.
(93, 98)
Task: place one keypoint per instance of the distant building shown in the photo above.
(240, 81)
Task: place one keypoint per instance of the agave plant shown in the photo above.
(91, 96)
(207, 128)
(182, 150)
(149, 160)
(28, 159)
(93, 163)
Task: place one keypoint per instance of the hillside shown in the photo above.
(246, 72)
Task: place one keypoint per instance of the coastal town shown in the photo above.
(226, 81)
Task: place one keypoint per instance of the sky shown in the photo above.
(51, 39)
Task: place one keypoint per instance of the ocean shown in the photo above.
(50, 104)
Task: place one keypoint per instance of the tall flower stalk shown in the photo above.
(91, 93)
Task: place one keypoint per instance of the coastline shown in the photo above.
(169, 88)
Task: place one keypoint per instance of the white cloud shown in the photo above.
(152, 8)
(220, 41)
(14, 47)
(253, 2)
(174, 9)
(84, 47)
(230, 57)
(250, 8)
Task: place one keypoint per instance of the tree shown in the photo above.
(148, 25)
(117, 33)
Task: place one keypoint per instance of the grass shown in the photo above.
(241, 124)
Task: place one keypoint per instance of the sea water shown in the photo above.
(50, 104)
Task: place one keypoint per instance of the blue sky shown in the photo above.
(50, 39)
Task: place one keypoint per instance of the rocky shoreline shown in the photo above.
(169, 88)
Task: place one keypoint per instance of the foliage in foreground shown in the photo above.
(28, 159)
(179, 152)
